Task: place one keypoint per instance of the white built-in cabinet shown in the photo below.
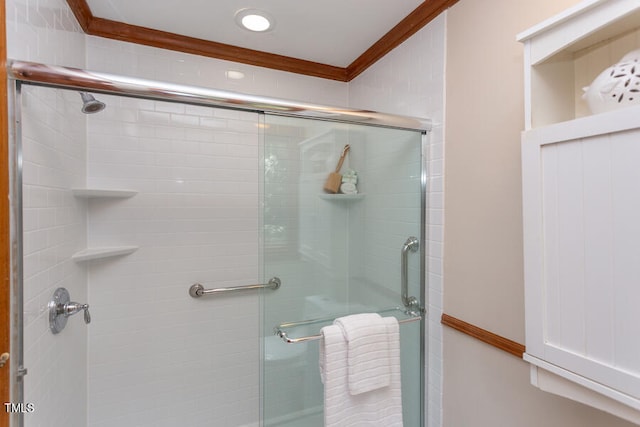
(581, 208)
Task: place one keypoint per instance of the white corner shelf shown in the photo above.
(102, 252)
(90, 193)
(342, 197)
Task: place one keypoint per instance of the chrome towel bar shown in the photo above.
(197, 290)
(414, 317)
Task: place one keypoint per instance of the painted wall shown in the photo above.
(483, 265)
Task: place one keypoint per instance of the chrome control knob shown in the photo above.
(72, 308)
(61, 307)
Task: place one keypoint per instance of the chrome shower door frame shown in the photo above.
(29, 73)
(17, 370)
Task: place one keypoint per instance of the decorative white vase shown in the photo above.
(616, 87)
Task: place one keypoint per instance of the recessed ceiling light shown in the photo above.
(254, 20)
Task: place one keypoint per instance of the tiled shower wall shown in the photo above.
(407, 81)
(233, 399)
(335, 254)
(158, 64)
(410, 80)
(152, 347)
(54, 221)
(44, 31)
(54, 224)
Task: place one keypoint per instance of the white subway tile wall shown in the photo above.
(336, 255)
(44, 31)
(410, 80)
(54, 221)
(388, 215)
(54, 228)
(158, 357)
(164, 65)
(180, 153)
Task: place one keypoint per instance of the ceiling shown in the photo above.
(323, 38)
(333, 32)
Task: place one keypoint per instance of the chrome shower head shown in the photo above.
(90, 104)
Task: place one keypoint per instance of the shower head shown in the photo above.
(90, 104)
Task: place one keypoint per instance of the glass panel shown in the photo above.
(152, 355)
(336, 254)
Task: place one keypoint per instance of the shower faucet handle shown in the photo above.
(72, 308)
(61, 307)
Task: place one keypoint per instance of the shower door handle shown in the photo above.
(197, 290)
(411, 245)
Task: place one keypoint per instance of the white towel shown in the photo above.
(378, 408)
(368, 363)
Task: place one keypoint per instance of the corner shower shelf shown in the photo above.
(89, 193)
(342, 197)
(102, 252)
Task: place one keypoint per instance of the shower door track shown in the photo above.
(37, 74)
(78, 79)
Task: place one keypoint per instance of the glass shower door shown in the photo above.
(337, 254)
(127, 209)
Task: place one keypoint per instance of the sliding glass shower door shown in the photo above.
(153, 213)
(337, 254)
(127, 209)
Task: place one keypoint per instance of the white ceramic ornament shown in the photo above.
(616, 87)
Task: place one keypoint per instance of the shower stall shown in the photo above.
(175, 255)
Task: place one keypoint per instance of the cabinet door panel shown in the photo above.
(585, 282)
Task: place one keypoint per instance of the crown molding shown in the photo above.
(161, 39)
(83, 14)
(410, 25)
(100, 27)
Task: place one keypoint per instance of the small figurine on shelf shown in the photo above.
(349, 181)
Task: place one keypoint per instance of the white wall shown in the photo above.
(410, 81)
